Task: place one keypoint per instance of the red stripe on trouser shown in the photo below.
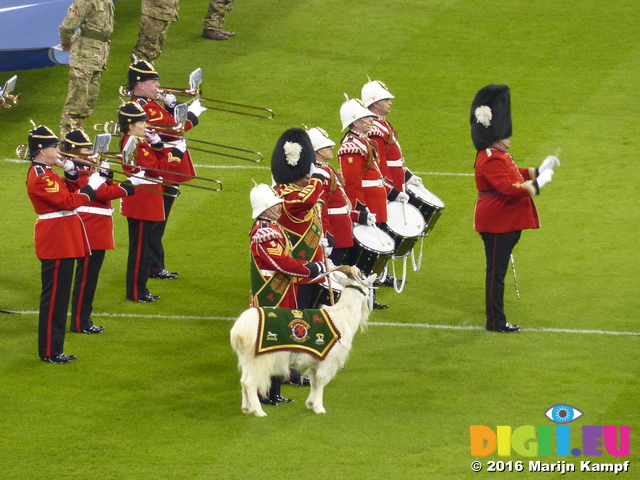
(493, 273)
(52, 305)
(136, 271)
(83, 286)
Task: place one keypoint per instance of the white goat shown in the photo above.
(350, 312)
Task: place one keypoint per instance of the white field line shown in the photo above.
(375, 324)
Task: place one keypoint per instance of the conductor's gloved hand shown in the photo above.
(95, 180)
(170, 100)
(415, 180)
(549, 162)
(137, 178)
(544, 178)
(402, 197)
(196, 108)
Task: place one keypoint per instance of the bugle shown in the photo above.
(177, 131)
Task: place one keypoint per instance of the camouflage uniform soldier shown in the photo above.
(89, 47)
(157, 16)
(213, 22)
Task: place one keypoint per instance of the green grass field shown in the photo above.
(157, 395)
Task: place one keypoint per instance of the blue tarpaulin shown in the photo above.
(28, 33)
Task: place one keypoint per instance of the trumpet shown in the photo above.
(195, 94)
(176, 131)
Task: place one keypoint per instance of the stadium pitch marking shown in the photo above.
(380, 324)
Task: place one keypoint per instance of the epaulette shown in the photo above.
(353, 145)
(265, 233)
(39, 170)
(378, 130)
(285, 190)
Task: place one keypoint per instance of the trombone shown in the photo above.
(195, 94)
(177, 131)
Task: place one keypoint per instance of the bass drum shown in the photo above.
(372, 249)
(405, 225)
(430, 206)
(324, 297)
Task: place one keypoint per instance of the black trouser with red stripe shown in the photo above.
(138, 260)
(497, 248)
(156, 250)
(84, 290)
(57, 277)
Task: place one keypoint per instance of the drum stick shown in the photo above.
(404, 204)
(515, 280)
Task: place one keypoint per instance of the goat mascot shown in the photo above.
(258, 361)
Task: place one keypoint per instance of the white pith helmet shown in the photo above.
(320, 139)
(373, 91)
(262, 198)
(352, 110)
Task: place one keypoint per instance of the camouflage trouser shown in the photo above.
(215, 15)
(153, 33)
(84, 86)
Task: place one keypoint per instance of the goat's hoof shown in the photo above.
(260, 413)
(319, 410)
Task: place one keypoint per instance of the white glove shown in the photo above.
(105, 168)
(544, 177)
(137, 178)
(196, 108)
(329, 250)
(549, 162)
(324, 242)
(414, 180)
(153, 137)
(402, 197)
(69, 166)
(371, 219)
(181, 145)
(95, 180)
(170, 100)
(313, 169)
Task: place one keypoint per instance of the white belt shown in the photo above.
(97, 210)
(61, 213)
(268, 273)
(338, 211)
(372, 183)
(395, 163)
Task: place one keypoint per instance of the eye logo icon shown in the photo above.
(562, 413)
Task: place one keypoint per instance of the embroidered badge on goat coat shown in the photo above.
(284, 329)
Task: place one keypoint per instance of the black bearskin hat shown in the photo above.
(39, 138)
(140, 72)
(292, 157)
(129, 113)
(490, 116)
(74, 140)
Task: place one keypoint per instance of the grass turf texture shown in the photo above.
(157, 395)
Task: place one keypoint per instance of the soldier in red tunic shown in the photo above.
(377, 98)
(59, 238)
(145, 209)
(504, 206)
(360, 163)
(145, 88)
(97, 217)
(300, 185)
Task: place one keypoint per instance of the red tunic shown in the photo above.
(271, 252)
(336, 211)
(59, 232)
(362, 176)
(158, 115)
(504, 201)
(97, 215)
(391, 159)
(145, 205)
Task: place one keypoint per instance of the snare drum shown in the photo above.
(323, 297)
(372, 249)
(430, 206)
(405, 225)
